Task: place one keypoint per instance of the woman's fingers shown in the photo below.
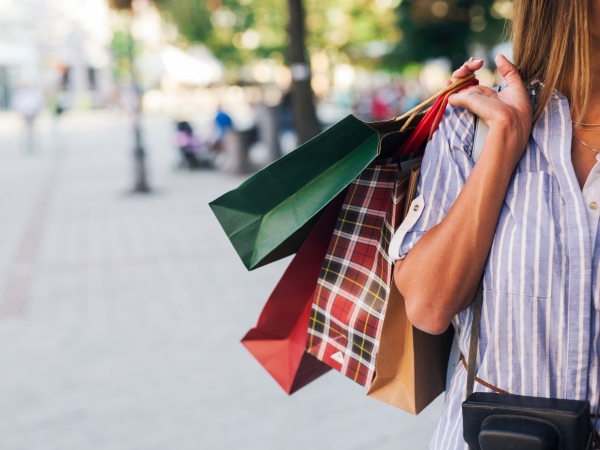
(510, 109)
(467, 68)
(480, 100)
(465, 97)
(508, 70)
(482, 90)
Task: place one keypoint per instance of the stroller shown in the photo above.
(195, 154)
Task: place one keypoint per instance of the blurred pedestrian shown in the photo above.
(223, 124)
(194, 153)
(57, 105)
(28, 101)
(380, 109)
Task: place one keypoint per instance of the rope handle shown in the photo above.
(423, 132)
(450, 89)
(440, 112)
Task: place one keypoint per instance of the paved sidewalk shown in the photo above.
(120, 315)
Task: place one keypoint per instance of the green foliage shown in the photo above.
(351, 25)
(191, 16)
(435, 28)
(242, 30)
(236, 31)
(370, 32)
(121, 49)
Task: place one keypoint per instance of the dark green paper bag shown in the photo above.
(269, 215)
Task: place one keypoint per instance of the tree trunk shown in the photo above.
(305, 118)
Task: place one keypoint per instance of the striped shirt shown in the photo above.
(541, 305)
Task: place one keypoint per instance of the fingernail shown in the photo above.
(471, 58)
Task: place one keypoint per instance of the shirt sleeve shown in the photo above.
(446, 165)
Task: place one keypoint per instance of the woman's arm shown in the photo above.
(440, 275)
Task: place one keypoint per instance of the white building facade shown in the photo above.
(61, 47)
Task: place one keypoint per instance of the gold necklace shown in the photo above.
(588, 146)
(587, 124)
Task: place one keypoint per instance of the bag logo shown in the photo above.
(339, 357)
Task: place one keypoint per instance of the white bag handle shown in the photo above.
(481, 131)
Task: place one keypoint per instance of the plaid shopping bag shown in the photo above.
(351, 296)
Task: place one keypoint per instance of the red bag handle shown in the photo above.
(429, 123)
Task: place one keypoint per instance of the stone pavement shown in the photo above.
(120, 315)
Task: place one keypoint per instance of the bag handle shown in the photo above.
(451, 88)
(474, 341)
(481, 131)
(424, 131)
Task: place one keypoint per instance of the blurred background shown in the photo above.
(121, 301)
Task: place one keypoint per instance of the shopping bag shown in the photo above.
(350, 302)
(410, 369)
(278, 340)
(268, 216)
(411, 365)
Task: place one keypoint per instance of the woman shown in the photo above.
(525, 217)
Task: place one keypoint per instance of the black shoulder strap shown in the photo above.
(474, 341)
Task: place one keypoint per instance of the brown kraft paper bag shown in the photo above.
(410, 369)
(411, 365)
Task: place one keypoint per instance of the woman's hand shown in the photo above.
(440, 275)
(468, 68)
(508, 111)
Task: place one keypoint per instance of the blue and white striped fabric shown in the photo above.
(540, 316)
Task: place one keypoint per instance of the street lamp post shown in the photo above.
(140, 184)
(139, 154)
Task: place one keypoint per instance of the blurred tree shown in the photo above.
(373, 33)
(120, 4)
(120, 47)
(359, 30)
(306, 123)
(435, 28)
(256, 28)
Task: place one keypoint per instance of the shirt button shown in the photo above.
(416, 208)
(594, 206)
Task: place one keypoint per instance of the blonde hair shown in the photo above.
(552, 45)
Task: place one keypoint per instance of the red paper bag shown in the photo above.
(278, 341)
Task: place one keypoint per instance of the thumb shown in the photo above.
(508, 70)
